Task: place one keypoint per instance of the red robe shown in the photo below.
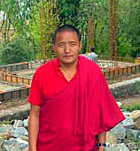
(73, 117)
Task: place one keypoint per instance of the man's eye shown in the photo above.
(72, 44)
(60, 45)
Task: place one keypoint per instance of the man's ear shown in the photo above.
(54, 49)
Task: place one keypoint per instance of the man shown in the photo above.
(92, 56)
(71, 105)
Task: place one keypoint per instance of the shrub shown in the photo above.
(15, 51)
(132, 107)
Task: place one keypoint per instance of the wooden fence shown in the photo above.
(120, 72)
(15, 67)
(14, 79)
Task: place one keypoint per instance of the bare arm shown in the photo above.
(33, 127)
(102, 139)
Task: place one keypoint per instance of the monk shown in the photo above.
(72, 107)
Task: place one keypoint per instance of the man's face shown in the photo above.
(67, 47)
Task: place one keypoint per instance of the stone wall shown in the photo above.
(125, 88)
(15, 94)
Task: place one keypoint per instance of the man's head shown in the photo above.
(92, 49)
(67, 44)
(66, 28)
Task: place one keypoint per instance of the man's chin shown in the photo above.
(68, 61)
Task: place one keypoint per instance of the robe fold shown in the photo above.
(73, 117)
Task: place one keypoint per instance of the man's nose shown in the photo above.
(67, 48)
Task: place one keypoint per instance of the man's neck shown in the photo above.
(69, 70)
(68, 67)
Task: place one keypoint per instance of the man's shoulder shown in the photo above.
(47, 66)
(89, 64)
(86, 61)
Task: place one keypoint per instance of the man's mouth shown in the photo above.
(67, 56)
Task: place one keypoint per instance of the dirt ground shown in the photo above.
(129, 100)
(12, 103)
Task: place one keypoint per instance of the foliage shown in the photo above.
(124, 47)
(99, 11)
(132, 107)
(4, 123)
(15, 51)
(24, 18)
(68, 11)
(129, 27)
(15, 15)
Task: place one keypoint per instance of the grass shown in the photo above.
(132, 107)
(5, 123)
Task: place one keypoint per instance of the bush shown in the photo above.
(15, 51)
(132, 107)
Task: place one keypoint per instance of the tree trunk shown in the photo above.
(56, 7)
(113, 29)
(49, 9)
(43, 28)
(91, 33)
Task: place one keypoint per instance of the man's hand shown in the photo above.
(101, 148)
(101, 139)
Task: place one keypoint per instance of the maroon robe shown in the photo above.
(73, 117)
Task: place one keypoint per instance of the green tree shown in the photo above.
(129, 31)
(33, 22)
(113, 28)
(68, 11)
(97, 11)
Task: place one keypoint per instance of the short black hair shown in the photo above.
(66, 28)
(92, 49)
